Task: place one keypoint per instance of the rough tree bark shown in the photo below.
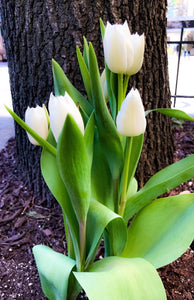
(36, 31)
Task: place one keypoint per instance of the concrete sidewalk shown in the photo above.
(6, 121)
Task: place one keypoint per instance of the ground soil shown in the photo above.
(25, 222)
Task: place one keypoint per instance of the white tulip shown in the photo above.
(118, 48)
(123, 52)
(139, 46)
(59, 107)
(36, 119)
(131, 119)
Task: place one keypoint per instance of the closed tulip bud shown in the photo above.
(118, 48)
(36, 119)
(59, 107)
(131, 119)
(139, 46)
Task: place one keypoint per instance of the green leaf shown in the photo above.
(109, 138)
(86, 52)
(160, 183)
(112, 88)
(137, 144)
(54, 270)
(132, 188)
(62, 85)
(89, 137)
(162, 231)
(74, 167)
(56, 185)
(99, 218)
(102, 28)
(174, 113)
(40, 140)
(116, 278)
(85, 74)
(102, 183)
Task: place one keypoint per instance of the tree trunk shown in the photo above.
(37, 31)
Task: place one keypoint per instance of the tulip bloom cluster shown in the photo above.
(59, 107)
(89, 160)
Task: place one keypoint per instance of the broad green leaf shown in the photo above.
(85, 74)
(162, 231)
(160, 183)
(109, 138)
(116, 278)
(62, 84)
(74, 167)
(40, 140)
(89, 137)
(54, 270)
(99, 218)
(102, 183)
(56, 185)
(174, 113)
(132, 188)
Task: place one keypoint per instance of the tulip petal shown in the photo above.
(131, 117)
(118, 48)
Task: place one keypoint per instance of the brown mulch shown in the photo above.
(25, 222)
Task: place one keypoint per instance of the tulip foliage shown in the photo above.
(88, 161)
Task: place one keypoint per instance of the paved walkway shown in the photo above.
(6, 121)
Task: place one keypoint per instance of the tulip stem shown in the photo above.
(126, 81)
(129, 142)
(120, 90)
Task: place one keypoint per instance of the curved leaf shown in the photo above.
(99, 217)
(54, 270)
(89, 137)
(160, 183)
(56, 185)
(174, 113)
(74, 167)
(137, 145)
(162, 231)
(109, 138)
(85, 73)
(116, 278)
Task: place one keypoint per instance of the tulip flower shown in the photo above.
(123, 51)
(138, 45)
(118, 48)
(131, 119)
(36, 119)
(59, 107)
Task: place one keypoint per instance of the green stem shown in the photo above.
(120, 90)
(82, 236)
(115, 194)
(126, 81)
(129, 142)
